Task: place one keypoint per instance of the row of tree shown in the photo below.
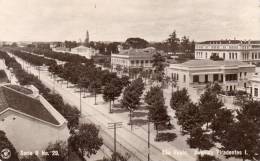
(209, 122)
(84, 140)
(69, 112)
(157, 109)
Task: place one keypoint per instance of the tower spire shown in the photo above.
(87, 38)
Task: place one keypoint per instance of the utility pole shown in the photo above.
(80, 100)
(114, 126)
(53, 83)
(148, 140)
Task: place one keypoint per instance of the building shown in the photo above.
(255, 85)
(229, 50)
(133, 58)
(28, 120)
(196, 74)
(84, 51)
(87, 38)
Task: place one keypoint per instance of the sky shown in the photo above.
(117, 20)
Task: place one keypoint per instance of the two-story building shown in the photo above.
(133, 58)
(196, 74)
(255, 85)
(236, 50)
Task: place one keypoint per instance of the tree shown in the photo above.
(209, 104)
(6, 144)
(86, 140)
(131, 96)
(179, 98)
(159, 65)
(188, 117)
(242, 98)
(57, 151)
(125, 80)
(221, 122)
(207, 158)
(95, 86)
(117, 157)
(112, 90)
(151, 94)
(198, 139)
(173, 42)
(185, 44)
(157, 109)
(137, 43)
(242, 136)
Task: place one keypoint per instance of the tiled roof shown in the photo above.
(204, 62)
(139, 52)
(226, 42)
(10, 98)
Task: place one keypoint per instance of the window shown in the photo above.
(215, 77)
(256, 92)
(240, 74)
(137, 61)
(245, 74)
(177, 78)
(132, 62)
(142, 61)
(206, 79)
(195, 79)
(146, 61)
(184, 78)
(224, 55)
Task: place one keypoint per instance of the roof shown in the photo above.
(139, 52)
(3, 77)
(20, 89)
(206, 62)
(230, 42)
(10, 98)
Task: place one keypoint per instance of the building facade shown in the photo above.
(196, 74)
(236, 50)
(28, 120)
(255, 85)
(84, 51)
(133, 58)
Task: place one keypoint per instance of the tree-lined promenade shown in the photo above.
(125, 133)
(206, 123)
(69, 112)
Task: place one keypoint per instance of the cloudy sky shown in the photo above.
(116, 20)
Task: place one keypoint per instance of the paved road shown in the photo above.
(134, 142)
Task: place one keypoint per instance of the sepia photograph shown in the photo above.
(129, 80)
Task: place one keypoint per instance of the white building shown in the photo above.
(196, 74)
(133, 58)
(29, 122)
(255, 85)
(229, 50)
(84, 51)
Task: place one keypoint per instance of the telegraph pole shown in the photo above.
(80, 100)
(114, 126)
(148, 140)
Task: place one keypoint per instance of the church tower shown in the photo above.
(87, 38)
